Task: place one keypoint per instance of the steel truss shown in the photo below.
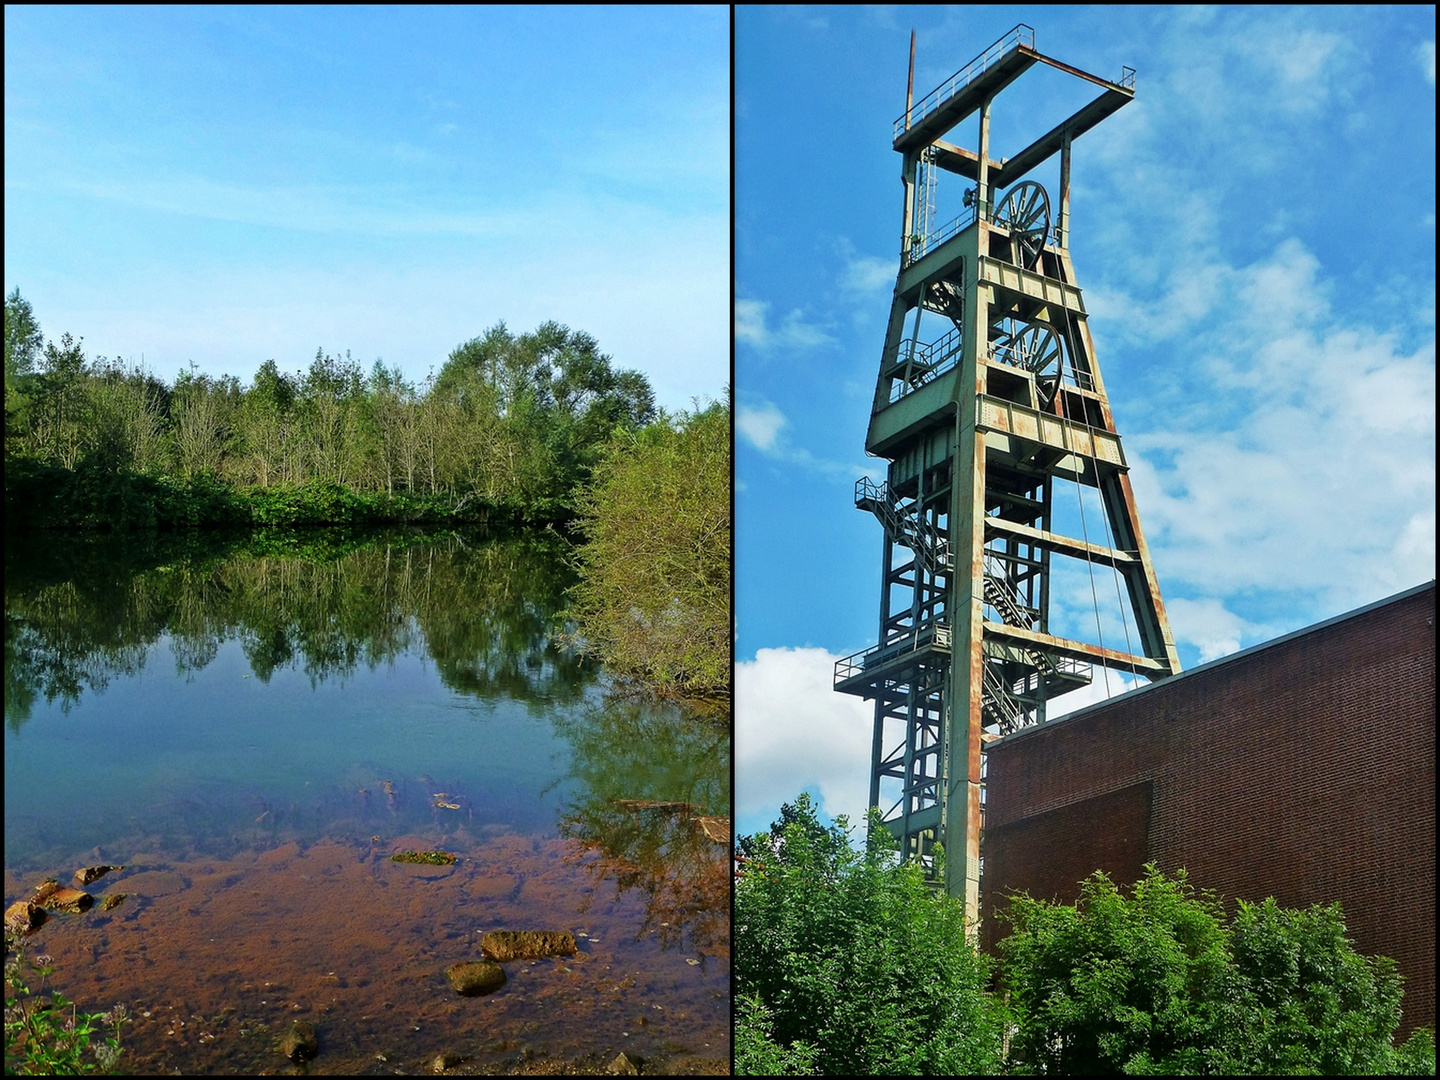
(989, 392)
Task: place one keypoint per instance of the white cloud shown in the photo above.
(763, 426)
(1298, 451)
(793, 732)
(866, 275)
(750, 322)
(1099, 690)
(760, 426)
(1208, 625)
(793, 333)
(1305, 64)
(1279, 422)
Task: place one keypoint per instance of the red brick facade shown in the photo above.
(1302, 769)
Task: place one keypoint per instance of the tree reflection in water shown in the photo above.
(650, 774)
(80, 612)
(644, 777)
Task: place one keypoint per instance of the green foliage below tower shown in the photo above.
(846, 963)
(852, 964)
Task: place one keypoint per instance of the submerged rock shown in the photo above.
(301, 1043)
(425, 858)
(624, 1065)
(474, 977)
(527, 944)
(72, 901)
(93, 873)
(24, 917)
(112, 901)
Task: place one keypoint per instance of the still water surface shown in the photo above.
(253, 727)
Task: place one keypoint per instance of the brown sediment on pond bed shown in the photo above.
(226, 954)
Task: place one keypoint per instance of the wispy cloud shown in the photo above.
(866, 275)
(1301, 441)
(328, 208)
(763, 426)
(1105, 685)
(793, 333)
(760, 426)
(1281, 432)
(1209, 626)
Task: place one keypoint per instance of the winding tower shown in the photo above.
(989, 396)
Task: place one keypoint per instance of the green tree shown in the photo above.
(202, 428)
(23, 342)
(58, 405)
(1158, 983)
(756, 1051)
(263, 429)
(654, 594)
(23, 339)
(539, 410)
(851, 963)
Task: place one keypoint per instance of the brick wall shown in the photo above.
(1303, 769)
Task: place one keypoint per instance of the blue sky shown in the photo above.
(1255, 235)
(228, 185)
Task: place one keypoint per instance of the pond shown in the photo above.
(253, 726)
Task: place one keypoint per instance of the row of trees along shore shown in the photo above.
(528, 429)
(511, 427)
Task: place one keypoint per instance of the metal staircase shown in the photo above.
(1000, 595)
(932, 551)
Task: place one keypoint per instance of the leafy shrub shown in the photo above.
(756, 1052)
(857, 965)
(846, 964)
(45, 1035)
(654, 594)
(1159, 983)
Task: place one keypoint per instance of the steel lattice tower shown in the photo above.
(979, 411)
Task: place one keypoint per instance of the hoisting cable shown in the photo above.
(1105, 518)
(1085, 533)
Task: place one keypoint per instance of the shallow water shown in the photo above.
(253, 728)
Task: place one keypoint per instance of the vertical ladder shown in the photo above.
(925, 196)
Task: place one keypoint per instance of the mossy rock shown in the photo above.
(475, 977)
(301, 1042)
(425, 858)
(24, 917)
(91, 874)
(527, 944)
(71, 901)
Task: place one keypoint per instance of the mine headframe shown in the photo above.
(989, 398)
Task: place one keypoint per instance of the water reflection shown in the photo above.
(663, 832)
(642, 781)
(265, 719)
(79, 614)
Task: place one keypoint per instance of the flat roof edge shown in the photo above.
(1405, 594)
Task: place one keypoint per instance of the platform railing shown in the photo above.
(924, 362)
(1019, 35)
(913, 639)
